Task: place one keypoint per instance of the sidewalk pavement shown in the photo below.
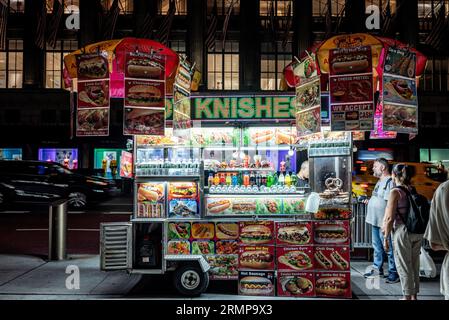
(28, 277)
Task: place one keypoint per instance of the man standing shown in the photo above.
(437, 231)
(303, 175)
(375, 215)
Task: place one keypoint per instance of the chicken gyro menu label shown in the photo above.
(256, 232)
(332, 258)
(256, 258)
(92, 112)
(296, 284)
(308, 97)
(294, 233)
(252, 283)
(296, 258)
(399, 95)
(333, 284)
(351, 89)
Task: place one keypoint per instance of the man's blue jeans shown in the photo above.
(379, 252)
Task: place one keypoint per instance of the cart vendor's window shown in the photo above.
(54, 62)
(274, 58)
(11, 65)
(223, 66)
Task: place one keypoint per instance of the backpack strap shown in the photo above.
(387, 183)
(407, 193)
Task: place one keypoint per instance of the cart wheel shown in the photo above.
(190, 280)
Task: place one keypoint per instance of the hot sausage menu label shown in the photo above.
(253, 283)
(351, 89)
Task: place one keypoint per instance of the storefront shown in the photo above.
(10, 153)
(67, 157)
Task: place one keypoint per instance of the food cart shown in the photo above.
(220, 206)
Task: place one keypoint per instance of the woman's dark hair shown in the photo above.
(402, 173)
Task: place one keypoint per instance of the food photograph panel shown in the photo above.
(256, 258)
(332, 258)
(294, 233)
(294, 258)
(331, 232)
(223, 267)
(256, 232)
(256, 283)
(295, 284)
(333, 284)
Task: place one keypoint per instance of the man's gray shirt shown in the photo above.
(378, 201)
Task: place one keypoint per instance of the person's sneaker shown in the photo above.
(392, 279)
(373, 273)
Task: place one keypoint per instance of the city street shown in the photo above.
(24, 227)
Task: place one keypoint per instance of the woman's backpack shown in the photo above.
(417, 216)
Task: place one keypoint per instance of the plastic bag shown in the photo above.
(427, 267)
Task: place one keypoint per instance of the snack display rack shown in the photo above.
(222, 208)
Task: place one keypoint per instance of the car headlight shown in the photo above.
(100, 183)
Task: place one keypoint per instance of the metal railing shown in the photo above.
(360, 230)
(57, 230)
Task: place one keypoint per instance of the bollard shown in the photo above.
(57, 230)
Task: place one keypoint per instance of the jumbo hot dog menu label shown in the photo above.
(256, 258)
(333, 284)
(351, 89)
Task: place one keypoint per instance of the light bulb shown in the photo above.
(291, 152)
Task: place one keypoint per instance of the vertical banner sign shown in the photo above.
(181, 100)
(400, 101)
(144, 103)
(308, 97)
(378, 133)
(351, 89)
(93, 103)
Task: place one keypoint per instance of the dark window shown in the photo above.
(48, 116)
(444, 118)
(64, 116)
(12, 116)
(428, 118)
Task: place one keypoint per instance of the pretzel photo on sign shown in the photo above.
(333, 184)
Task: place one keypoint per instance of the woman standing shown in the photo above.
(406, 245)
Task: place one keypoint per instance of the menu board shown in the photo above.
(399, 94)
(256, 258)
(144, 102)
(256, 283)
(183, 200)
(181, 100)
(333, 284)
(151, 200)
(296, 284)
(308, 97)
(351, 89)
(378, 132)
(269, 136)
(92, 111)
(223, 267)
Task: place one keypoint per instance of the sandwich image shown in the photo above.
(145, 96)
(94, 68)
(296, 285)
(183, 190)
(297, 260)
(256, 286)
(150, 192)
(255, 234)
(298, 234)
(144, 68)
(94, 95)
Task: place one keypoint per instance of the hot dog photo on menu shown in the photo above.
(253, 283)
(400, 118)
(332, 258)
(333, 284)
(398, 90)
(350, 60)
(143, 65)
(144, 121)
(256, 258)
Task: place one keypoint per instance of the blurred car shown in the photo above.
(38, 181)
(425, 178)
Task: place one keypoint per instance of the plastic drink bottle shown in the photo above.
(228, 179)
(281, 179)
(210, 180)
(288, 180)
(246, 179)
(216, 179)
(235, 180)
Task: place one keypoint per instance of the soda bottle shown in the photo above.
(246, 179)
(210, 180)
(269, 180)
(288, 179)
(222, 179)
(228, 179)
(281, 179)
(216, 179)
(234, 179)
(258, 179)
(263, 179)
(252, 179)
